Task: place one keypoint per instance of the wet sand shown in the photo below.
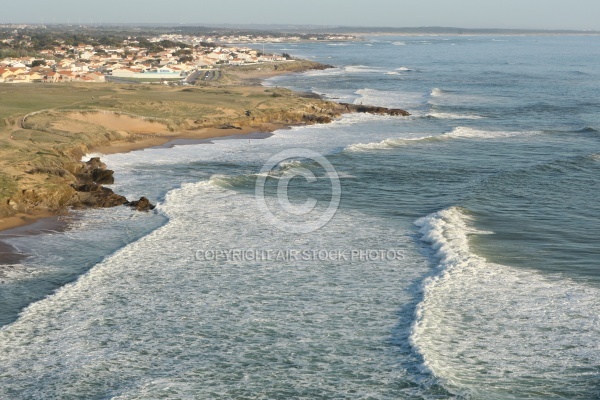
(10, 255)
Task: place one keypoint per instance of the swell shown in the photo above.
(494, 331)
(459, 132)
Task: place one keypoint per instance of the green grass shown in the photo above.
(21, 99)
(7, 186)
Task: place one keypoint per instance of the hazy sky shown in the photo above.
(536, 14)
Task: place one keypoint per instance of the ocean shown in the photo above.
(449, 254)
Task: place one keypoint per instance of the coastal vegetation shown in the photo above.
(45, 129)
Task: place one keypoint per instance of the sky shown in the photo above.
(520, 14)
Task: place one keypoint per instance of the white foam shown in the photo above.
(325, 72)
(466, 132)
(494, 331)
(383, 145)
(399, 43)
(386, 144)
(458, 132)
(440, 96)
(156, 306)
(290, 164)
(404, 69)
(361, 69)
(437, 92)
(453, 116)
(383, 98)
(89, 156)
(351, 69)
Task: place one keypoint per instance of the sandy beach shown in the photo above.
(27, 225)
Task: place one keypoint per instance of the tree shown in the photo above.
(37, 63)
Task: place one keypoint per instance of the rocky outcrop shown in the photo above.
(97, 196)
(359, 108)
(316, 119)
(228, 126)
(95, 171)
(143, 204)
(91, 194)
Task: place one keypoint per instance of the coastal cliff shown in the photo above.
(41, 144)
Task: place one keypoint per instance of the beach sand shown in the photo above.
(168, 139)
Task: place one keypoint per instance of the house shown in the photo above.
(125, 72)
(18, 70)
(5, 73)
(34, 76)
(66, 76)
(95, 77)
(51, 77)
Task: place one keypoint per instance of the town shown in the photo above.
(166, 58)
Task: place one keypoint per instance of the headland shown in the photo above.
(45, 129)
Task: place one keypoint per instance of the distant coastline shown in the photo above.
(42, 176)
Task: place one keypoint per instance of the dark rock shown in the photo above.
(228, 126)
(107, 198)
(143, 204)
(316, 119)
(87, 187)
(103, 176)
(95, 171)
(375, 110)
(100, 198)
(94, 163)
(321, 67)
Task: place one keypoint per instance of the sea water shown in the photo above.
(462, 261)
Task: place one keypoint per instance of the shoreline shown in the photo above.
(143, 141)
(44, 221)
(37, 222)
(10, 255)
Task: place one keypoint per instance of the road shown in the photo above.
(203, 75)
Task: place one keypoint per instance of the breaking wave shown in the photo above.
(387, 144)
(453, 116)
(486, 330)
(466, 132)
(436, 92)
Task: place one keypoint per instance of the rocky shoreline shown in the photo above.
(57, 180)
(89, 192)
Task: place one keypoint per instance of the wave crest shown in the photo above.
(453, 116)
(386, 144)
(437, 92)
(466, 132)
(485, 329)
